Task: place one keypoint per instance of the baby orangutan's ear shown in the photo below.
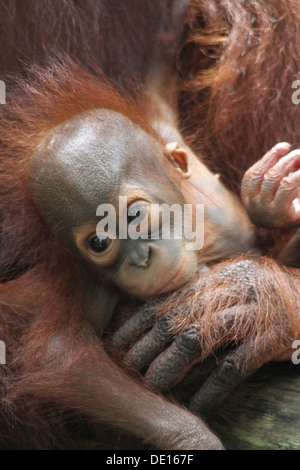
(179, 158)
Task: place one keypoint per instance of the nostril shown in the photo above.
(139, 256)
(145, 262)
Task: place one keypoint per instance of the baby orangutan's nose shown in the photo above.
(139, 256)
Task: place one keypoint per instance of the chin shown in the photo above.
(184, 275)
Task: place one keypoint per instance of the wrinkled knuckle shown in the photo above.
(272, 175)
(228, 367)
(189, 340)
(163, 328)
(287, 184)
(254, 174)
(154, 378)
(245, 185)
(227, 373)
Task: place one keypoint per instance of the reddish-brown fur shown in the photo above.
(96, 34)
(231, 111)
(237, 66)
(271, 322)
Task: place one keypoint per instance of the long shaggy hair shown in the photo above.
(237, 66)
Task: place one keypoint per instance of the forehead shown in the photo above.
(85, 161)
(97, 149)
(99, 143)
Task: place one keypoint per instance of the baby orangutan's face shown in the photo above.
(100, 166)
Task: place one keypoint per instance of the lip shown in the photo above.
(173, 283)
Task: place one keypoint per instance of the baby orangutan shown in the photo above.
(76, 147)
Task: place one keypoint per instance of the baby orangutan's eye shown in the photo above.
(144, 217)
(102, 250)
(138, 211)
(99, 248)
(98, 245)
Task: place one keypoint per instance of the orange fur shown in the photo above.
(237, 63)
(272, 290)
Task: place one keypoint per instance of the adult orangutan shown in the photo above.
(51, 334)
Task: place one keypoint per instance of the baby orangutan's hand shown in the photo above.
(270, 188)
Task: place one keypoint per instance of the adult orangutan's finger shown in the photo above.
(173, 364)
(152, 344)
(135, 327)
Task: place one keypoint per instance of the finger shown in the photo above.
(193, 380)
(173, 364)
(216, 300)
(223, 327)
(142, 321)
(220, 383)
(286, 194)
(296, 208)
(273, 177)
(152, 344)
(132, 329)
(254, 176)
(233, 369)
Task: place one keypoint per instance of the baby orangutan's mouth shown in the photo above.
(177, 280)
